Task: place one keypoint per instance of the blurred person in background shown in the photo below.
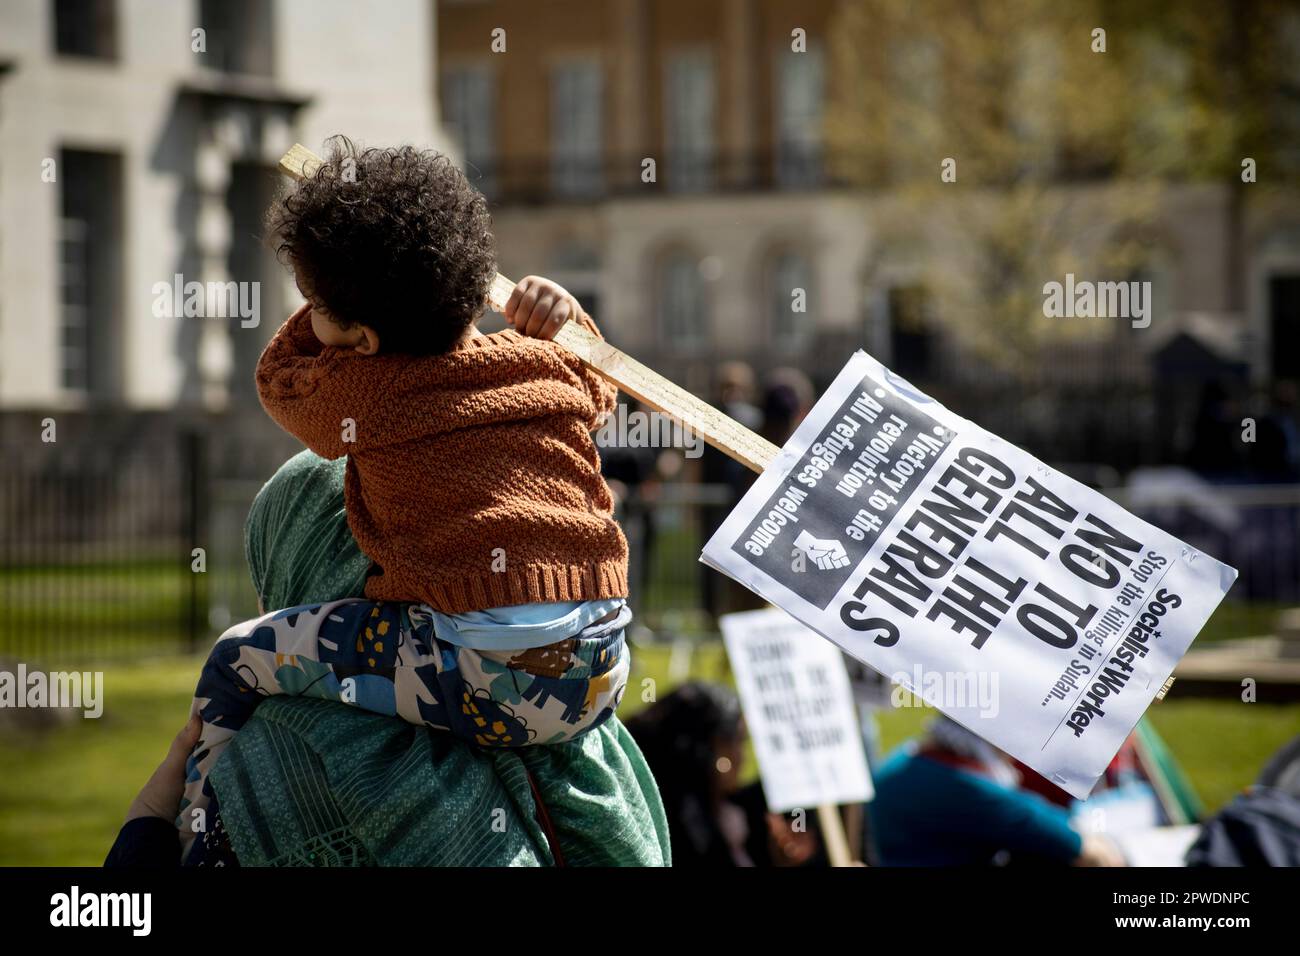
(1261, 827)
(953, 799)
(693, 740)
(736, 388)
(787, 398)
(633, 475)
(779, 839)
(1216, 451)
(1275, 452)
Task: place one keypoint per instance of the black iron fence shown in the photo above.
(121, 535)
(92, 549)
(99, 531)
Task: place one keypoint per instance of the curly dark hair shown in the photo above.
(396, 239)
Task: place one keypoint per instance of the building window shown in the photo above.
(915, 121)
(1035, 86)
(577, 129)
(1161, 106)
(1284, 324)
(86, 28)
(1158, 268)
(800, 95)
(914, 352)
(576, 266)
(237, 36)
(683, 311)
(689, 120)
(1283, 115)
(90, 273)
(75, 305)
(789, 281)
(250, 192)
(469, 110)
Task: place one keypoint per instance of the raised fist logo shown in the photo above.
(826, 553)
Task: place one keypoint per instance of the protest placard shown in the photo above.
(799, 709)
(1026, 606)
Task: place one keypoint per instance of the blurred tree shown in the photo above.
(1061, 139)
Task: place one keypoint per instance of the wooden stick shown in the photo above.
(833, 837)
(642, 383)
(853, 824)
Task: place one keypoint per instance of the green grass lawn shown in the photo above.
(119, 611)
(63, 792)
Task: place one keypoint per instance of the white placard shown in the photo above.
(799, 709)
(1026, 606)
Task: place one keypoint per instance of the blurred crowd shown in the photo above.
(949, 798)
(945, 799)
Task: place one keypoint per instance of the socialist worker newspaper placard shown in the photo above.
(944, 557)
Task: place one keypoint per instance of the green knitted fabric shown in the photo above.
(312, 783)
(297, 541)
(316, 783)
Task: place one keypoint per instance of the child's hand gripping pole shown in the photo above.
(721, 431)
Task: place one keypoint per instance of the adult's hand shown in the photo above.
(1097, 850)
(161, 795)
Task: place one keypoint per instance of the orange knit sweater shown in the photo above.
(472, 477)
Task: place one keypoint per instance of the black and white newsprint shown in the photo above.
(922, 544)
